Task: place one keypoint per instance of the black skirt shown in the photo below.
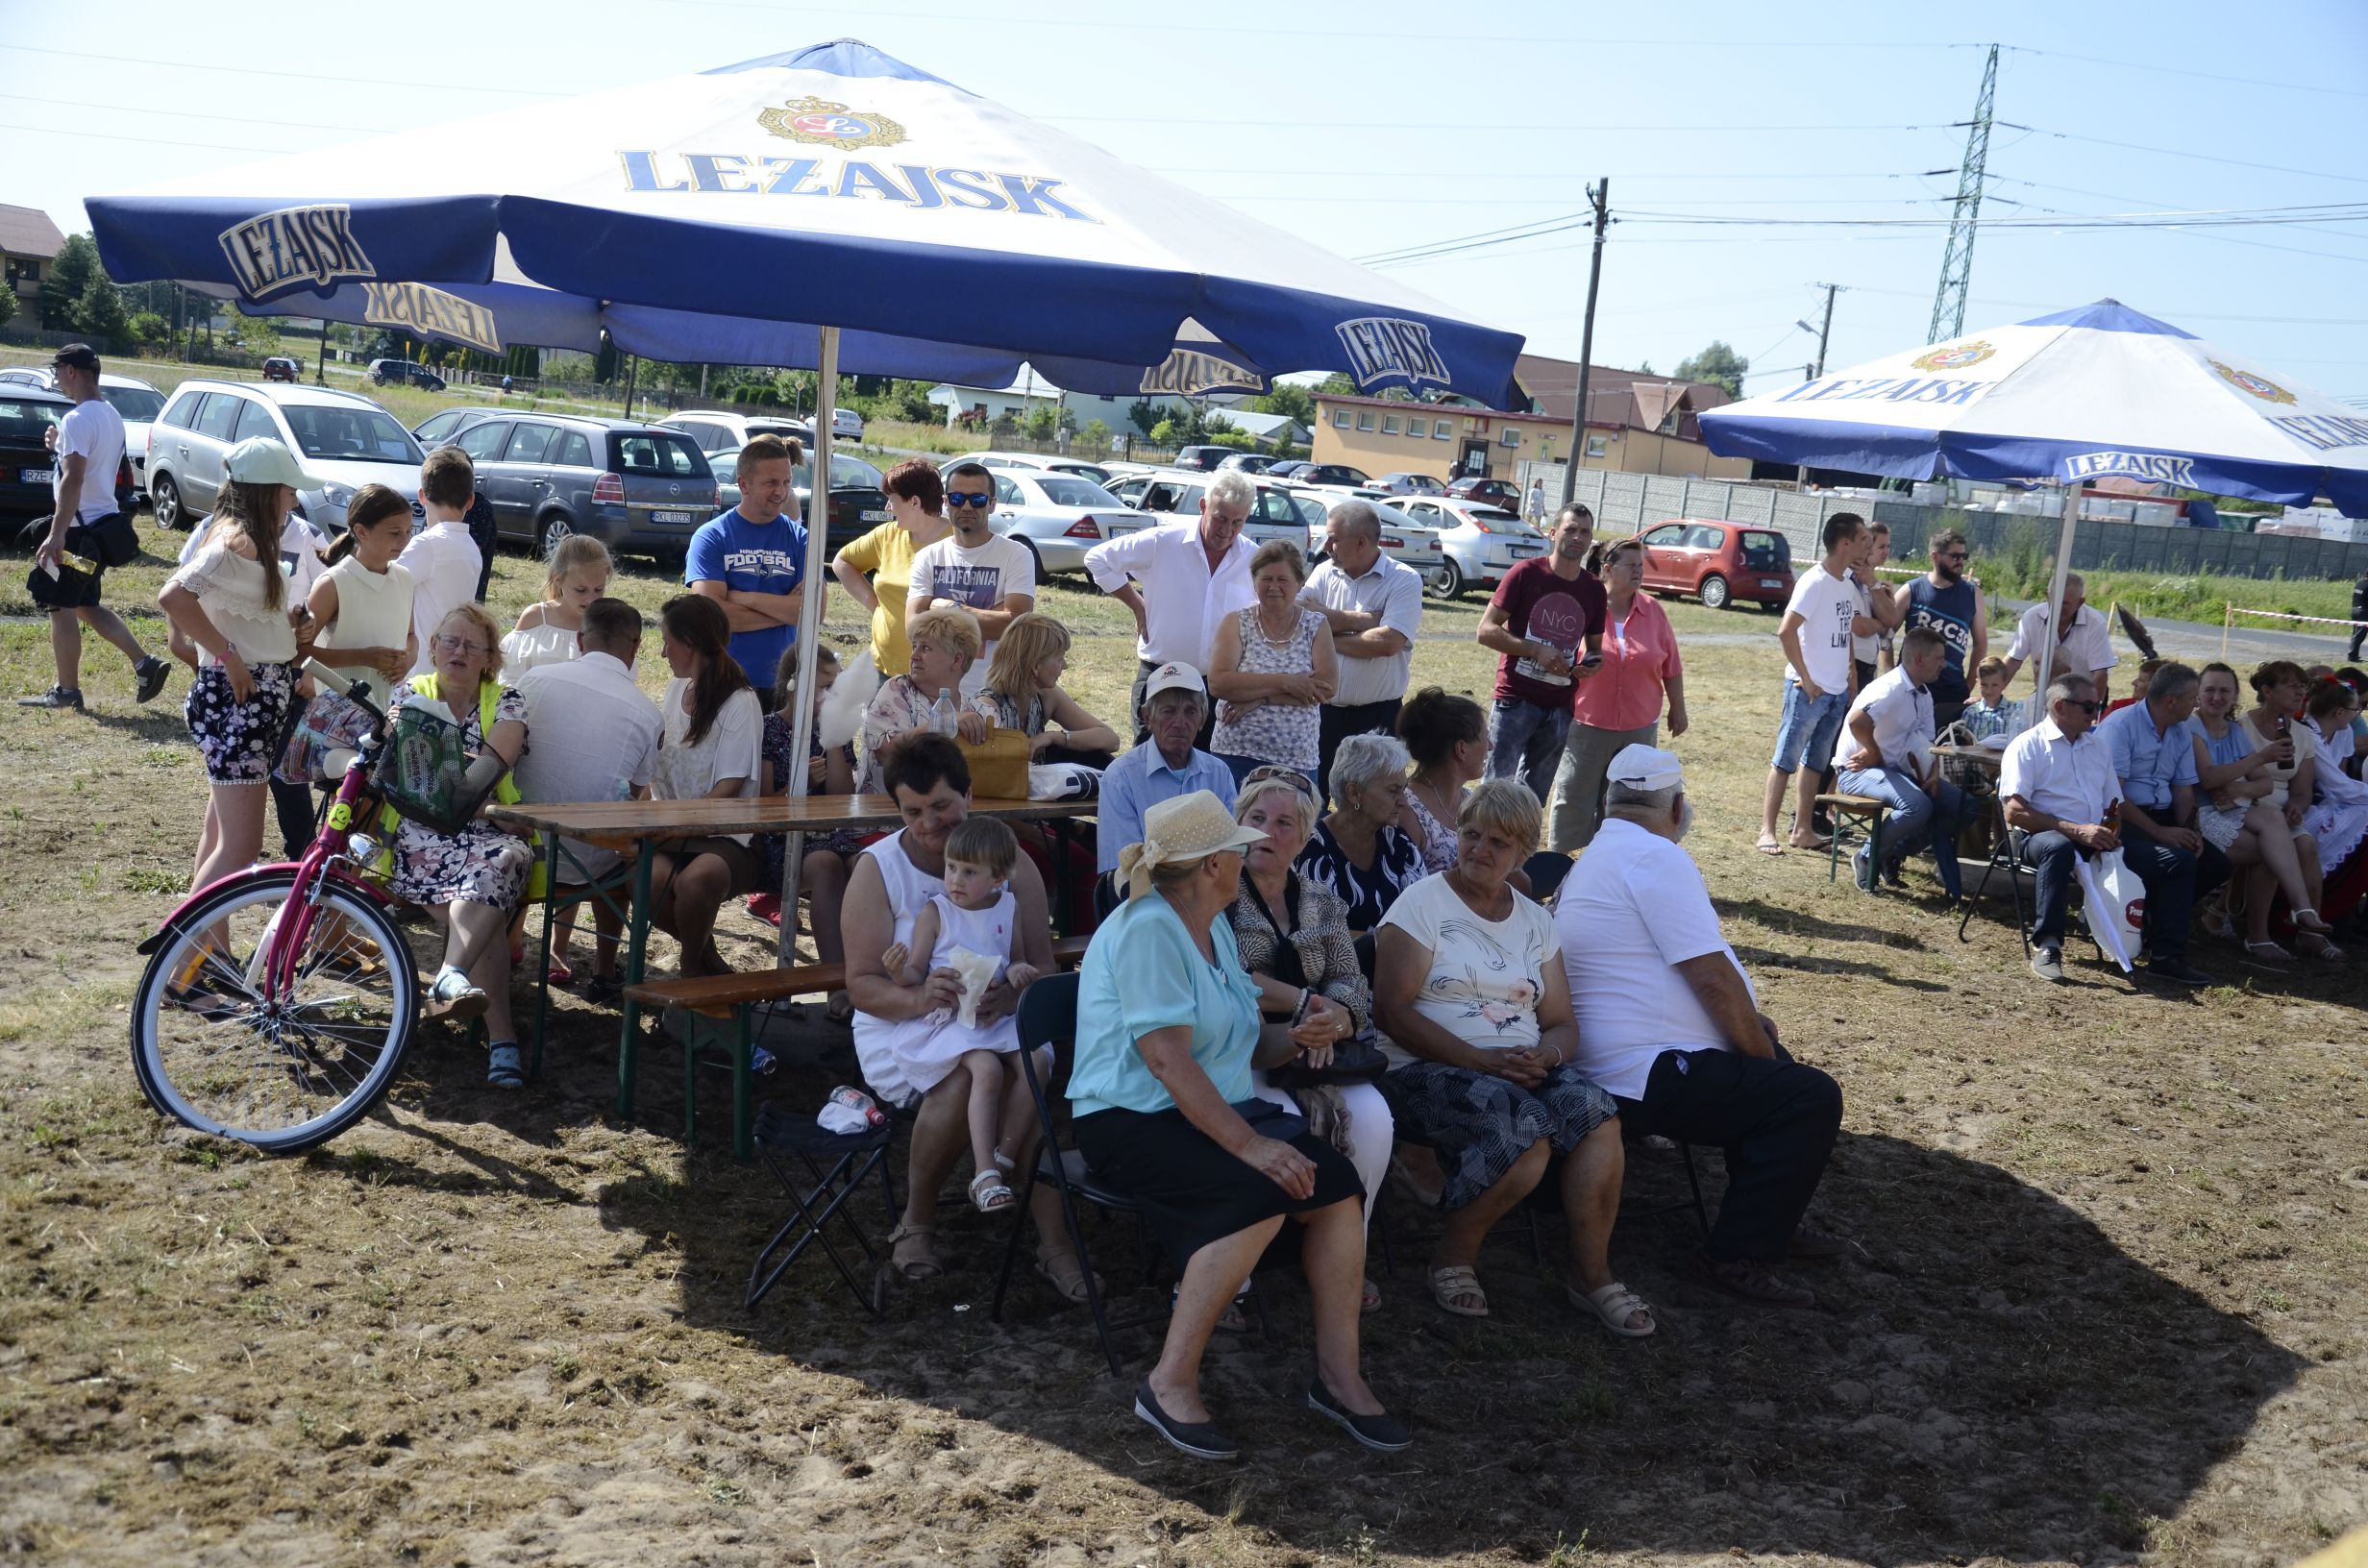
(1192, 1192)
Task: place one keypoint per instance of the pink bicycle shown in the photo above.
(278, 1002)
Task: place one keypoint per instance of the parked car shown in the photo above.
(721, 433)
(1330, 474)
(134, 399)
(439, 429)
(28, 468)
(1403, 484)
(632, 487)
(1057, 517)
(858, 504)
(846, 422)
(1401, 540)
(1249, 462)
(1481, 543)
(281, 368)
(1502, 493)
(1200, 460)
(1291, 469)
(1049, 463)
(1169, 496)
(1718, 561)
(341, 437)
(405, 373)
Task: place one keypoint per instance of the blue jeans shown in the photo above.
(1806, 734)
(1525, 741)
(1915, 816)
(2174, 880)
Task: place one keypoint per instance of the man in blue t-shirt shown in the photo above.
(751, 560)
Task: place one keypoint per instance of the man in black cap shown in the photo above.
(87, 533)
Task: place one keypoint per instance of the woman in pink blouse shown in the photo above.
(1622, 704)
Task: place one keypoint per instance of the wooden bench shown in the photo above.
(737, 996)
(1864, 809)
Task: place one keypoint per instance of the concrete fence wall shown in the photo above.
(1626, 502)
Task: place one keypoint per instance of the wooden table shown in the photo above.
(1992, 758)
(636, 827)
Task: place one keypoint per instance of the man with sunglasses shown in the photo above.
(1942, 600)
(992, 577)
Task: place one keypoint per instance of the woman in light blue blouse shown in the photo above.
(1167, 1027)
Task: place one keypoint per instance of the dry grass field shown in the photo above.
(2108, 1301)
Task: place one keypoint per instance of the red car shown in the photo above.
(1719, 561)
(1495, 492)
(279, 368)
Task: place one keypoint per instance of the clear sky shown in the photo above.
(1378, 125)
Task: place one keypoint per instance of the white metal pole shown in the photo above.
(817, 523)
(2055, 596)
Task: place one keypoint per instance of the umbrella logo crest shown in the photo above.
(2244, 380)
(295, 246)
(1956, 356)
(819, 123)
(1390, 350)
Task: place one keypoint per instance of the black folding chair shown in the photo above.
(1547, 869)
(1048, 1017)
(2006, 854)
(782, 1135)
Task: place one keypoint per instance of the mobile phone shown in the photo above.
(1592, 661)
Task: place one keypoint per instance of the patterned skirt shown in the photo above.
(239, 741)
(1481, 1125)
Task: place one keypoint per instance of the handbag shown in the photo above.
(999, 765)
(1356, 1060)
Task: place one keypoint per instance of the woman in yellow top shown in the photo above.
(877, 569)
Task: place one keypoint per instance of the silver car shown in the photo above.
(1482, 542)
(1057, 517)
(342, 438)
(1171, 495)
(1045, 462)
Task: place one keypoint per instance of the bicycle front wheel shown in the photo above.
(280, 1050)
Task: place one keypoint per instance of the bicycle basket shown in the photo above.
(423, 771)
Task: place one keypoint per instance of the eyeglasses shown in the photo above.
(444, 644)
(1292, 777)
(970, 497)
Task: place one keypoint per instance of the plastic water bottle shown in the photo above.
(942, 717)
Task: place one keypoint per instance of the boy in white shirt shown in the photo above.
(443, 560)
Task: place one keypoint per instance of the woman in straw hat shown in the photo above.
(1167, 1026)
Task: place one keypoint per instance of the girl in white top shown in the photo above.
(232, 604)
(972, 928)
(712, 747)
(362, 604)
(546, 633)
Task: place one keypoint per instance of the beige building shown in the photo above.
(29, 242)
(1636, 424)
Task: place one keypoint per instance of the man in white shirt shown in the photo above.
(986, 574)
(443, 560)
(1670, 1027)
(1374, 606)
(1887, 752)
(1818, 625)
(1185, 579)
(2085, 647)
(2060, 787)
(87, 533)
(592, 735)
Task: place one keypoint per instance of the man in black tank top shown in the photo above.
(1943, 601)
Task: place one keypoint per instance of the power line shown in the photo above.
(193, 114)
(2173, 70)
(152, 141)
(292, 76)
(2200, 157)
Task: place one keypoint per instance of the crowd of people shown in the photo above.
(1318, 970)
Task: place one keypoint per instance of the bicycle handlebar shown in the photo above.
(356, 692)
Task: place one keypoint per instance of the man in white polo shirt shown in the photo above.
(1374, 606)
(1887, 752)
(2084, 647)
(1185, 579)
(2058, 782)
(1670, 1027)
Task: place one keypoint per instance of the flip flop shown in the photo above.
(1769, 847)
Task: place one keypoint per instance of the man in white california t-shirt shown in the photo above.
(1818, 625)
(87, 534)
(992, 577)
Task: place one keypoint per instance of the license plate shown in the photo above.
(875, 514)
(1521, 552)
(671, 517)
(38, 475)
(1771, 582)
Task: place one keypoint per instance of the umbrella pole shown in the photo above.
(809, 629)
(2055, 592)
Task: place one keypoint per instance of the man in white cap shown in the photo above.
(1670, 1027)
(87, 533)
(1166, 763)
(1181, 579)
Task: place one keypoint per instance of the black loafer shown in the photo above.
(2178, 972)
(1384, 1434)
(1198, 1439)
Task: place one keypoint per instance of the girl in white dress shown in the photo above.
(973, 929)
(578, 573)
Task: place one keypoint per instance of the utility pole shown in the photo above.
(1601, 197)
(1825, 330)
(1956, 265)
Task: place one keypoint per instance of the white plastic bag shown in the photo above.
(977, 972)
(2116, 904)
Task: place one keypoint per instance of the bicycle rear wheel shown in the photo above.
(284, 1064)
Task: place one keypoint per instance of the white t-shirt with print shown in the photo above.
(979, 576)
(1485, 976)
(1826, 605)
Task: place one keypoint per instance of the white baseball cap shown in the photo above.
(1645, 768)
(1175, 677)
(261, 460)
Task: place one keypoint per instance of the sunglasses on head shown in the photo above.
(970, 497)
(1292, 777)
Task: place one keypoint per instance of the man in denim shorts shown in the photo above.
(1821, 618)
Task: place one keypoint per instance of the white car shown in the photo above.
(846, 422)
(1172, 495)
(135, 400)
(721, 435)
(1058, 517)
(1482, 542)
(1035, 461)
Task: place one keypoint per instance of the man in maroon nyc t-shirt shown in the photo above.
(1546, 620)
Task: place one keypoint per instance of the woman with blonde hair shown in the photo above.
(1024, 690)
(945, 645)
(578, 574)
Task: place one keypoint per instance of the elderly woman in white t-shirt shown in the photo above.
(712, 746)
(1469, 987)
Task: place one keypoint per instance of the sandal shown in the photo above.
(1062, 1271)
(2267, 952)
(2308, 919)
(204, 1004)
(914, 1265)
(1615, 1305)
(1457, 1283)
(1770, 846)
(2318, 946)
(990, 1194)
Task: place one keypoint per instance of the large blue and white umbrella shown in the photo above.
(2102, 390)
